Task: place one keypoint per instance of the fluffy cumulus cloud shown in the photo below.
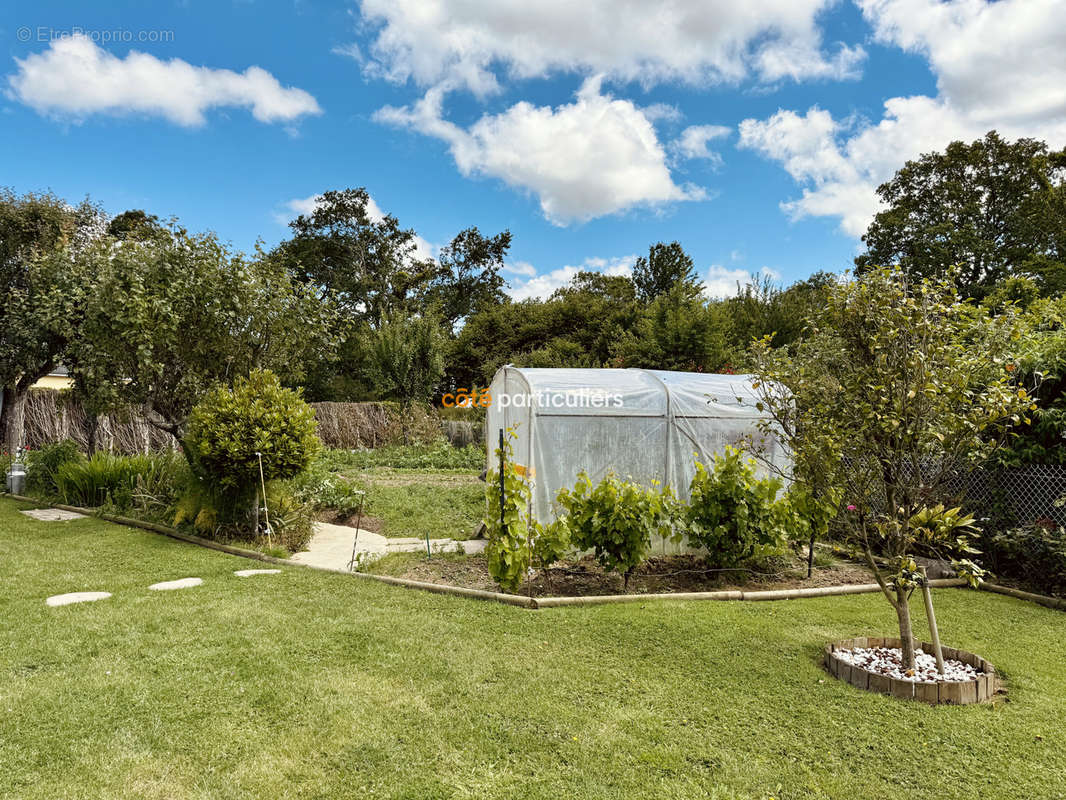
(528, 284)
(692, 143)
(595, 156)
(75, 78)
(722, 282)
(291, 209)
(467, 42)
(998, 65)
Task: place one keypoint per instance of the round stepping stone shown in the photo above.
(181, 583)
(75, 597)
(247, 573)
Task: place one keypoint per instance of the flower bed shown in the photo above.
(873, 663)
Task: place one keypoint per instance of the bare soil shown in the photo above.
(660, 574)
(367, 522)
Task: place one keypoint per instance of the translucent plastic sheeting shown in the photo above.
(645, 425)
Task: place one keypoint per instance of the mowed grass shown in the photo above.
(440, 503)
(308, 684)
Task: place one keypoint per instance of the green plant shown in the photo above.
(436, 455)
(734, 514)
(142, 482)
(291, 519)
(230, 428)
(617, 519)
(509, 550)
(42, 467)
(1034, 555)
(317, 486)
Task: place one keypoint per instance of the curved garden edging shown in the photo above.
(979, 690)
(511, 599)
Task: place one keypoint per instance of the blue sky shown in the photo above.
(753, 133)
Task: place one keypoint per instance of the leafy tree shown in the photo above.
(135, 224)
(39, 293)
(665, 266)
(406, 359)
(898, 389)
(369, 264)
(468, 275)
(762, 308)
(170, 317)
(991, 209)
(578, 326)
(677, 331)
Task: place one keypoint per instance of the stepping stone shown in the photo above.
(182, 583)
(246, 573)
(52, 514)
(75, 597)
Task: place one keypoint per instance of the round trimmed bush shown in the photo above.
(231, 425)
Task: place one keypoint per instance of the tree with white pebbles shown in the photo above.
(896, 389)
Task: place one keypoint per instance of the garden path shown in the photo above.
(331, 546)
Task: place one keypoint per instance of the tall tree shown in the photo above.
(369, 263)
(989, 209)
(39, 294)
(678, 332)
(665, 266)
(468, 275)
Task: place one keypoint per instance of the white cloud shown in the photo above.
(542, 286)
(523, 268)
(74, 77)
(692, 143)
(596, 156)
(306, 205)
(999, 65)
(465, 42)
(723, 282)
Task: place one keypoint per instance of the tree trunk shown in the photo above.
(906, 635)
(14, 419)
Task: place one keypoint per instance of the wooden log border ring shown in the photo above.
(980, 690)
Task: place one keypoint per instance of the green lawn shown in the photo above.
(316, 685)
(442, 503)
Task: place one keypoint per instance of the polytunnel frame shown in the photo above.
(670, 426)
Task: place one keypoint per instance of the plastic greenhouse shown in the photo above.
(643, 424)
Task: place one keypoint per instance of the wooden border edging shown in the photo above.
(979, 690)
(499, 597)
(1040, 599)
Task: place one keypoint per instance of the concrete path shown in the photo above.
(331, 546)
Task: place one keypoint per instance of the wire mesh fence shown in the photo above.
(1020, 495)
(999, 496)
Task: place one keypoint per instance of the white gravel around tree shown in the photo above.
(889, 661)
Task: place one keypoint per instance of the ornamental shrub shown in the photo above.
(735, 515)
(42, 466)
(230, 426)
(617, 519)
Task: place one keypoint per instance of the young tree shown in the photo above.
(898, 389)
(40, 294)
(990, 209)
(665, 266)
